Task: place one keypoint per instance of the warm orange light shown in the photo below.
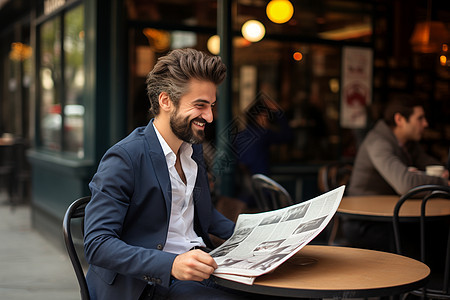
(298, 56)
(279, 11)
(159, 40)
(20, 51)
(428, 36)
(443, 60)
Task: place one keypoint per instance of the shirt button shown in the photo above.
(159, 247)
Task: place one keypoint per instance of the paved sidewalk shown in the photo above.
(30, 267)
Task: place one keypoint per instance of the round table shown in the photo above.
(381, 207)
(343, 272)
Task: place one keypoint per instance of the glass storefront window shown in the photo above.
(173, 12)
(50, 84)
(344, 20)
(61, 81)
(74, 81)
(303, 80)
(297, 64)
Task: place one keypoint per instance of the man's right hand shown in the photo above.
(193, 265)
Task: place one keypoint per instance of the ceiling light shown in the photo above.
(213, 44)
(428, 36)
(253, 30)
(279, 11)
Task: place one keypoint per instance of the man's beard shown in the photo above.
(182, 128)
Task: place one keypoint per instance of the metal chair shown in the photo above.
(331, 176)
(269, 195)
(76, 211)
(438, 285)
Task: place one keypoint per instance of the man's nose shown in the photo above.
(207, 115)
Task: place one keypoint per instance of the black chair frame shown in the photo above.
(427, 192)
(76, 211)
(269, 194)
(334, 175)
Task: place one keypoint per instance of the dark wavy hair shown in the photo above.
(403, 105)
(173, 72)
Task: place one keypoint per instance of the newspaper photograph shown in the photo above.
(263, 241)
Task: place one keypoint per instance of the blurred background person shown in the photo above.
(266, 125)
(390, 160)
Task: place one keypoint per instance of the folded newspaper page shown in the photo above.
(263, 241)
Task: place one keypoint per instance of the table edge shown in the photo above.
(314, 293)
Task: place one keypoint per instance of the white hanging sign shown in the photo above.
(356, 87)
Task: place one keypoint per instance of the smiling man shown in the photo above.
(147, 225)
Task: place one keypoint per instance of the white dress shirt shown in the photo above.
(181, 236)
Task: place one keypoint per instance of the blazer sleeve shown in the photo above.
(112, 188)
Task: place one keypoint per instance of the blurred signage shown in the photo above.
(20, 51)
(52, 5)
(356, 91)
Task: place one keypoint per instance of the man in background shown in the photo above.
(390, 160)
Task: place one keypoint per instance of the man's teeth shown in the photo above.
(199, 123)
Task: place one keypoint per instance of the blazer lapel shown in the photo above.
(159, 164)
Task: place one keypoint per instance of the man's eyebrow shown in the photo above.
(204, 101)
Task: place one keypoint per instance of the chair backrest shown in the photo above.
(333, 175)
(76, 211)
(439, 288)
(269, 195)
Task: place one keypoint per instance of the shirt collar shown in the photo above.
(165, 147)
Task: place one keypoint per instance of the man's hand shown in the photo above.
(193, 265)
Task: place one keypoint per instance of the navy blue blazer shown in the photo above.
(127, 219)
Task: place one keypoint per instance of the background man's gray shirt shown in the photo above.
(381, 165)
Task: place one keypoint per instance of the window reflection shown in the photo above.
(61, 105)
(324, 19)
(50, 64)
(74, 79)
(297, 64)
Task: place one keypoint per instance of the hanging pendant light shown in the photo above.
(428, 36)
(279, 11)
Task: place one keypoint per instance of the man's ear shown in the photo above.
(399, 119)
(164, 101)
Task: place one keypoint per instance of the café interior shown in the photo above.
(73, 83)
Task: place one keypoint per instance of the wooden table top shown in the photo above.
(328, 271)
(383, 206)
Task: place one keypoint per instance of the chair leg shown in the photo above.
(334, 230)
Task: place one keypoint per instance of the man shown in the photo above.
(151, 203)
(390, 160)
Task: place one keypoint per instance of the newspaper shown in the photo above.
(263, 241)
